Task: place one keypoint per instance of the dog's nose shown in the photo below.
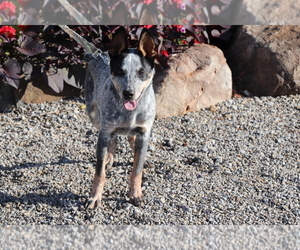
(127, 94)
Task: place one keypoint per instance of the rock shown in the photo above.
(265, 59)
(38, 91)
(197, 78)
(265, 12)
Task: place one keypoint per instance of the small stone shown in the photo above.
(213, 108)
(169, 142)
(151, 147)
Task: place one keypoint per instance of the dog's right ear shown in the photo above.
(118, 42)
(147, 44)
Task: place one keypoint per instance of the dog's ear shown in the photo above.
(118, 42)
(147, 44)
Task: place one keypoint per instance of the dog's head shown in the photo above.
(132, 70)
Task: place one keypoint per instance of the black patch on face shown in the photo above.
(116, 64)
(145, 59)
(150, 61)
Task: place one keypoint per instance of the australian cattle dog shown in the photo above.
(120, 101)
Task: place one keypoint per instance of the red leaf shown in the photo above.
(11, 71)
(29, 46)
(55, 79)
(27, 69)
(71, 81)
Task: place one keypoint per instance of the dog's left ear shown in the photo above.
(146, 44)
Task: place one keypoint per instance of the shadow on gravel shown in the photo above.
(63, 160)
(63, 200)
(45, 193)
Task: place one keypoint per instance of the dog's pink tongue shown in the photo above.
(130, 105)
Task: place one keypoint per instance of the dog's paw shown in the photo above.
(138, 202)
(91, 204)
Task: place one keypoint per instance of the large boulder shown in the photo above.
(265, 12)
(196, 78)
(265, 59)
(38, 91)
(62, 85)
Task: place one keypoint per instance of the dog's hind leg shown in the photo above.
(94, 114)
(131, 140)
(140, 150)
(91, 106)
(105, 141)
(111, 152)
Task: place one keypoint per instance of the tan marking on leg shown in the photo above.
(135, 193)
(109, 159)
(135, 186)
(98, 185)
(131, 140)
(111, 154)
(97, 189)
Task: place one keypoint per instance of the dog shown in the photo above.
(120, 100)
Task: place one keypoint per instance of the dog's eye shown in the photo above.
(141, 72)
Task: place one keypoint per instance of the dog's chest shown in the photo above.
(125, 124)
(116, 118)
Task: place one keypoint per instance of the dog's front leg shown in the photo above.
(103, 158)
(140, 151)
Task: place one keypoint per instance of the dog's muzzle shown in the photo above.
(129, 104)
(127, 95)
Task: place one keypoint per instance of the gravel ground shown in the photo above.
(236, 163)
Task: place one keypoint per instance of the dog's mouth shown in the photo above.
(130, 105)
